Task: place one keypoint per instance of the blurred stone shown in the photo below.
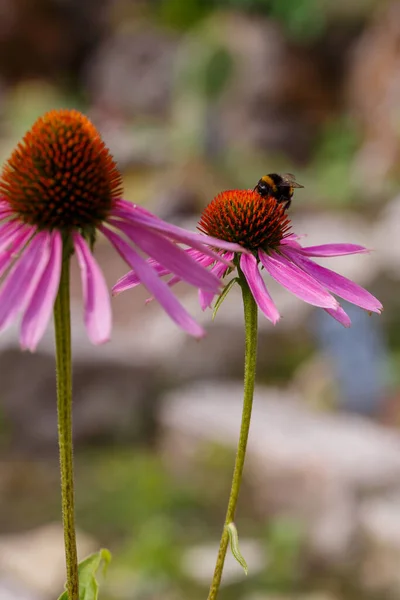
(36, 559)
(199, 561)
(376, 59)
(13, 590)
(309, 465)
(271, 77)
(286, 435)
(329, 227)
(380, 537)
(130, 73)
(112, 402)
(385, 239)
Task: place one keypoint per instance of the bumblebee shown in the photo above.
(281, 187)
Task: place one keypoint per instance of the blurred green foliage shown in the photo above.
(302, 19)
(284, 538)
(132, 503)
(330, 171)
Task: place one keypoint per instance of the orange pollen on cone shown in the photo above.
(61, 175)
(246, 218)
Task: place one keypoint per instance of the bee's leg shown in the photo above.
(288, 203)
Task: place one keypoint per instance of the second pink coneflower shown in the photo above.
(262, 228)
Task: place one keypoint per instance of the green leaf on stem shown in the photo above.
(234, 544)
(223, 295)
(88, 586)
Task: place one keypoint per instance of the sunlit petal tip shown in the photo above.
(331, 250)
(335, 283)
(339, 315)
(297, 281)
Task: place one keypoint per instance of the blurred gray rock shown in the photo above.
(385, 238)
(130, 73)
(35, 560)
(310, 465)
(112, 402)
(270, 78)
(13, 590)
(379, 522)
(375, 58)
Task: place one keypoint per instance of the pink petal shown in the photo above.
(296, 280)
(40, 308)
(197, 240)
(206, 298)
(334, 250)
(156, 286)
(96, 296)
(8, 232)
(205, 259)
(131, 280)
(176, 260)
(15, 245)
(170, 283)
(340, 315)
(249, 266)
(337, 284)
(23, 278)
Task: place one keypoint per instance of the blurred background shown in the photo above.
(193, 97)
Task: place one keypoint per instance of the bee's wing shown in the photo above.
(291, 180)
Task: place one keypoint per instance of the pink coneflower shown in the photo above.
(58, 189)
(263, 230)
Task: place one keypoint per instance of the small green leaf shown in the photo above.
(223, 295)
(88, 586)
(234, 543)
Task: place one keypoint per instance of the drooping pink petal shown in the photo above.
(337, 284)
(340, 315)
(131, 280)
(334, 250)
(170, 283)
(156, 286)
(8, 232)
(249, 266)
(168, 254)
(95, 294)
(15, 245)
(196, 240)
(39, 310)
(295, 280)
(23, 278)
(206, 298)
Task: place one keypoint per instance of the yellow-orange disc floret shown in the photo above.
(61, 175)
(245, 217)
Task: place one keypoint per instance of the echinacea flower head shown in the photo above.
(262, 229)
(57, 190)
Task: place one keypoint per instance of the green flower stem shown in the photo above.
(250, 319)
(62, 326)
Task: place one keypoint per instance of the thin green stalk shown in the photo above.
(250, 319)
(62, 326)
